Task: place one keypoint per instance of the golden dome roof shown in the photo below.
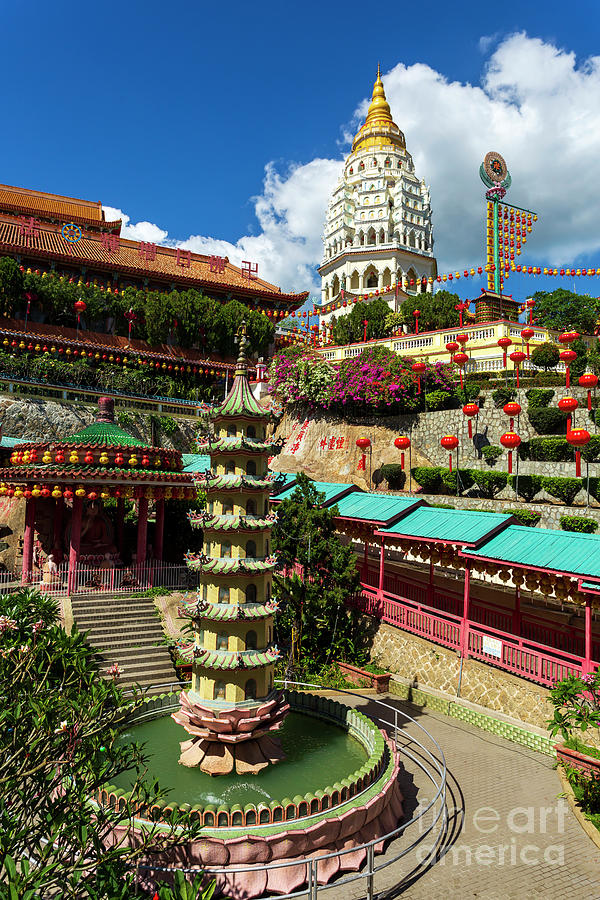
(379, 129)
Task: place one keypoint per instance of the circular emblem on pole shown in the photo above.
(495, 167)
(71, 232)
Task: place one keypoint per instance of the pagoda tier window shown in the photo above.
(211, 507)
(230, 467)
(251, 640)
(251, 508)
(251, 467)
(250, 689)
(250, 550)
(200, 638)
(219, 690)
(223, 595)
(267, 547)
(227, 507)
(268, 594)
(251, 593)
(231, 431)
(222, 640)
(251, 431)
(226, 550)
(204, 592)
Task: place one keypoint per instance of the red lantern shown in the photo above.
(462, 339)
(88, 459)
(568, 405)
(589, 381)
(452, 346)
(526, 335)
(567, 337)
(419, 368)
(449, 442)
(80, 306)
(517, 357)
(461, 359)
(59, 458)
(511, 441)
(505, 343)
(416, 314)
(568, 357)
(363, 444)
(470, 409)
(512, 410)
(578, 437)
(402, 443)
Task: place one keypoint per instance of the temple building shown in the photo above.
(48, 232)
(232, 706)
(378, 236)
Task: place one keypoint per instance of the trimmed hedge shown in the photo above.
(394, 475)
(450, 483)
(525, 516)
(429, 477)
(491, 454)
(550, 449)
(435, 400)
(578, 523)
(591, 451)
(564, 489)
(538, 398)
(548, 420)
(489, 483)
(594, 486)
(529, 485)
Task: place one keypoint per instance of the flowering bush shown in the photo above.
(377, 380)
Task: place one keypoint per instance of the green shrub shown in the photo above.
(538, 398)
(394, 475)
(524, 516)
(429, 477)
(489, 483)
(578, 523)
(592, 450)
(548, 421)
(471, 391)
(439, 400)
(529, 485)
(503, 395)
(594, 486)
(491, 454)
(550, 449)
(524, 450)
(565, 489)
(442, 505)
(449, 481)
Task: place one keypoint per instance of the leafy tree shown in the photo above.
(563, 309)
(579, 365)
(350, 329)
(593, 358)
(59, 720)
(437, 311)
(546, 356)
(313, 605)
(11, 284)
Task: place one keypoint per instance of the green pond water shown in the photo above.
(317, 755)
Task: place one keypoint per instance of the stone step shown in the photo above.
(134, 653)
(122, 619)
(119, 640)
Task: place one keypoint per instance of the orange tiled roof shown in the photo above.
(55, 206)
(129, 257)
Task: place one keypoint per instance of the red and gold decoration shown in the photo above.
(363, 444)
(590, 381)
(402, 442)
(470, 410)
(450, 442)
(578, 438)
(511, 441)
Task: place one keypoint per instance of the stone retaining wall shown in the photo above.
(550, 512)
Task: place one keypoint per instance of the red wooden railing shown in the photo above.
(519, 655)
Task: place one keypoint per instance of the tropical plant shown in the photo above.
(561, 309)
(581, 524)
(576, 702)
(436, 311)
(59, 723)
(546, 356)
(11, 284)
(314, 620)
(524, 516)
(350, 329)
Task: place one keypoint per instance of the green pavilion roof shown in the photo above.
(229, 522)
(220, 565)
(454, 526)
(378, 508)
(239, 442)
(229, 612)
(333, 492)
(227, 659)
(568, 552)
(195, 462)
(231, 482)
(240, 400)
(107, 434)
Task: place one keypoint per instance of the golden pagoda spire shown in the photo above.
(379, 120)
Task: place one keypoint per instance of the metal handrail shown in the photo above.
(433, 766)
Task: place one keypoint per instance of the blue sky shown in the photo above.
(172, 114)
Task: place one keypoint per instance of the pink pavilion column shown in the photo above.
(75, 542)
(57, 547)
(142, 530)
(464, 625)
(381, 567)
(28, 540)
(587, 662)
(516, 621)
(366, 560)
(120, 524)
(159, 530)
(430, 586)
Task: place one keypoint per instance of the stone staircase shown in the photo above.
(127, 631)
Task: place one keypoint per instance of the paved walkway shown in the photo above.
(510, 836)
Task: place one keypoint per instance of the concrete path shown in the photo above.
(510, 836)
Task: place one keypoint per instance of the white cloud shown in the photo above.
(141, 231)
(536, 104)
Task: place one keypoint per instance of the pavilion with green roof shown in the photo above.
(67, 482)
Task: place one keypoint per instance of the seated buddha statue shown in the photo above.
(97, 537)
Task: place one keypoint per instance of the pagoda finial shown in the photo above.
(241, 367)
(379, 108)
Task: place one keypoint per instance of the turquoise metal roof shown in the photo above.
(459, 526)
(10, 442)
(195, 462)
(381, 508)
(592, 586)
(561, 551)
(332, 491)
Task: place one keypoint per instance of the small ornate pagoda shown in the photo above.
(232, 708)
